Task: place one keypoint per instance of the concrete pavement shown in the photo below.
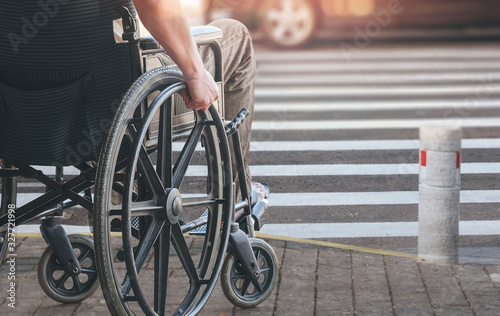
(315, 278)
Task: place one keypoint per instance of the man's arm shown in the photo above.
(166, 21)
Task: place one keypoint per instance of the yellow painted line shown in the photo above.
(339, 246)
(38, 235)
(31, 235)
(297, 240)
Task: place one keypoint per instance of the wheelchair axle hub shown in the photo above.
(173, 206)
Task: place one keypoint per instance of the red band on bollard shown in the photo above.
(458, 160)
(423, 158)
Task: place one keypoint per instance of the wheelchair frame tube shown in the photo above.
(219, 67)
(9, 185)
(245, 196)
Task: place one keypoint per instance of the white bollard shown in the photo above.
(439, 194)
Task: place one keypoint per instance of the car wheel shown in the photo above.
(288, 23)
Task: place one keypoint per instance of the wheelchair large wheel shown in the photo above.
(148, 197)
(238, 287)
(58, 284)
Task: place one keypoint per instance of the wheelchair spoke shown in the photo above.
(115, 210)
(237, 275)
(76, 283)
(146, 243)
(184, 254)
(88, 271)
(186, 154)
(62, 280)
(257, 285)
(145, 208)
(142, 251)
(196, 203)
(264, 270)
(244, 288)
(145, 165)
(164, 162)
(84, 255)
(129, 134)
(162, 250)
(146, 168)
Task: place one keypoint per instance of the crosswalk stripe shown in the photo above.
(378, 66)
(395, 53)
(486, 143)
(474, 78)
(371, 198)
(346, 169)
(366, 230)
(454, 106)
(351, 169)
(328, 230)
(35, 229)
(344, 198)
(470, 91)
(297, 125)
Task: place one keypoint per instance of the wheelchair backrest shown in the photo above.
(61, 77)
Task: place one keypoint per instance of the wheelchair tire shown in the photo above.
(237, 286)
(58, 284)
(3, 247)
(158, 193)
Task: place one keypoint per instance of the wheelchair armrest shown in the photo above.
(201, 35)
(205, 34)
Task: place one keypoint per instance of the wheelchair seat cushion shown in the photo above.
(61, 77)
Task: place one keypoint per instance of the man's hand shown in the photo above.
(202, 91)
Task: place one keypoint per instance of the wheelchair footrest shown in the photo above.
(198, 230)
(135, 222)
(259, 214)
(116, 225)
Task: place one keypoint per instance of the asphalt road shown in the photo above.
(343, 131)
(335, 135)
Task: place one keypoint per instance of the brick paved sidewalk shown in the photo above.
(313, 280)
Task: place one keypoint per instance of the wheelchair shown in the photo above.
(158, 186)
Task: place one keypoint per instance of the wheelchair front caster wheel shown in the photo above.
(238, 287)
(58, 284)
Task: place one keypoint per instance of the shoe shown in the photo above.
(260, 191)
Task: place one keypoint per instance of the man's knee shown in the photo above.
(231, 28)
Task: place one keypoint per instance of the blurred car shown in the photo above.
(290, 23)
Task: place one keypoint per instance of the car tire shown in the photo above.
(288, 23)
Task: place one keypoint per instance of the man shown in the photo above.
(167, 23)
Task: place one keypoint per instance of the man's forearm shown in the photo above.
(166, 21)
